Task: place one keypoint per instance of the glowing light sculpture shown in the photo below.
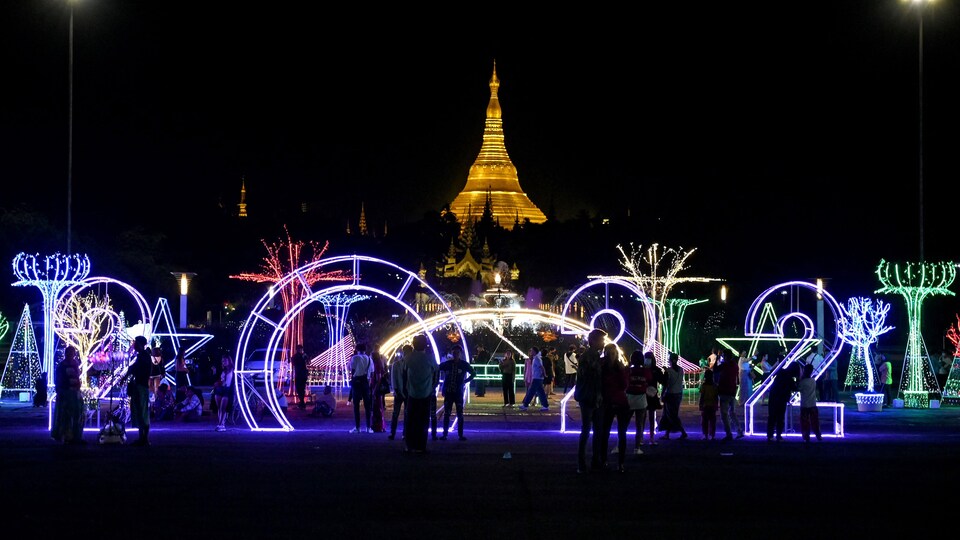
(51, 275)
(105, 327)
(861, 324)
(645, 269)
(803, 344)
(23, 362)
(4, 326)
(85, 321)
(283, 258)
(162, 329)
(671, 320)
(336, 307)
(915, 282)
(256, 388)
(951, 388)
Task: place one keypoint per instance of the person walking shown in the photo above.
(727, 372)
(138, 390)
(508, 373)
(398, 374)
(672, 397)
(456, 373)
(361, 370)
(421, 372)
(299, 362)
(536, 382)
(615, 378)
(809, 415)
(587, 392)
(570, 368)
(68, 415)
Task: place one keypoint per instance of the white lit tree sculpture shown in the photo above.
(861, 324)
(51, 275)
(85, 321)
(656, 270)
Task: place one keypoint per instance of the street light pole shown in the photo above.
(70, 136)
(920, 4)
(920, 113)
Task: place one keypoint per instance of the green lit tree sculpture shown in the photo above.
(861, 324)
(915, 282)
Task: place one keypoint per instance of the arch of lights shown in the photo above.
(606, 282)
(256, 388)
(469, 319)
(650, 319)
(753, 329)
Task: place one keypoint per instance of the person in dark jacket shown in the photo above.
(727, 375)
(615, 378)
(588, 395)
(138, 390)
(783, 386)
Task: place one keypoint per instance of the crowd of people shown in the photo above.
(608, 386)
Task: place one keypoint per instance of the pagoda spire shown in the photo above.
(493, 175)
(363, 220)
(242, 206)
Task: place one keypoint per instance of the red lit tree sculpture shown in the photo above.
(282, 258)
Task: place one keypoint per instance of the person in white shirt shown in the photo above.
(570, 368)
(361, 370)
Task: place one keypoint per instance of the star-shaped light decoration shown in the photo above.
(163, 328)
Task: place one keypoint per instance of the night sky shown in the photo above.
(763, 134)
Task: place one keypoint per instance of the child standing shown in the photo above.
(709, 403)
(809, 416)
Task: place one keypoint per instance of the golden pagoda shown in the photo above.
(242, 205)
(493, 174)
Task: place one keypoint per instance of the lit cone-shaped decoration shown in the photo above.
(493, 173)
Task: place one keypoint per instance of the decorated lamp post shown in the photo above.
(915, 282)
(51, 275)
(861, 323)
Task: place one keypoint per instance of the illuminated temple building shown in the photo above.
(494, 175)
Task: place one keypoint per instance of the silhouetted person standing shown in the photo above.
(299, 362)
(420, 386)
(138, 390)
(588, 394)
(784, 385)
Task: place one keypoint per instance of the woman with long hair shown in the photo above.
(223, 391)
